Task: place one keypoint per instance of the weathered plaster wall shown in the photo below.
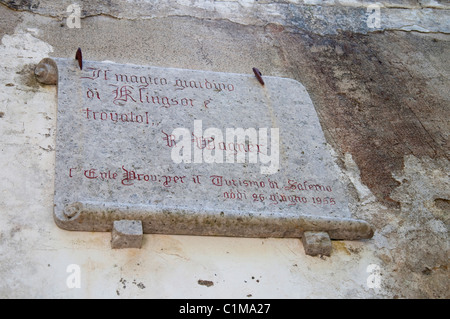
(382, 96)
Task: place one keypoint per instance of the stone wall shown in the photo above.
(382, 96)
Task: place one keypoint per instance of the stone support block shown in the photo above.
(316, 243)
(127, 234)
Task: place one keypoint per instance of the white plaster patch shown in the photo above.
(353, 173)
(23, 47)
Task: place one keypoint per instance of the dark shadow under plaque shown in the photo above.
(194, 153)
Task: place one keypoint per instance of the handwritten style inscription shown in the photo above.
(138, 88)
(262, 190)
(119, 128)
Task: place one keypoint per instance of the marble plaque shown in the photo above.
(193, 152)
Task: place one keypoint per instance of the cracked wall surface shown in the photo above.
(317, 16)
(382, 96)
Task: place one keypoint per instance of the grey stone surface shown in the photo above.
(317, 243)
(154, 144)
(127, 234)
(322, 17)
